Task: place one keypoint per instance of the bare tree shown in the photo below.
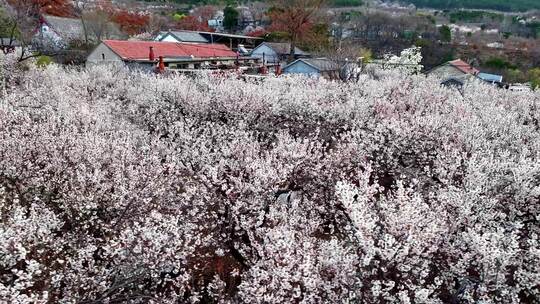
(258, 9)
(23, 17)
(80, 7)
(10, 32)
(348, 60)
(156, 23)
(97, 24)
(204, 13)
(296, 18)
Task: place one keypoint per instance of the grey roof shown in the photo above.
(201, 37)
(453, 81)
(160, 35)
(6, 41)
(72, 28)
(229, 35)
(187, 36)
(321, 64)
(67, 28)
(284, 48)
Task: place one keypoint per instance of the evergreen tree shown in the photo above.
(230, 20)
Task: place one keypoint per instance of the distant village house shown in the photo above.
(181, 36)
(57, 33)
(275, 53)
(457, 72)
(239, 43)
(314, 67)
(145, 55)
(455, 69)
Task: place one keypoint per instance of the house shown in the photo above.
(314, 67)
(181, 36)
(495, 45)
(520, 87)
(276, 52)
(455, 69)
(216, 22)
(491, 78)
(59, 32)
(232, 41)
(143, 55)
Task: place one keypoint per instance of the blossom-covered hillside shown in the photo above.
(117, 187)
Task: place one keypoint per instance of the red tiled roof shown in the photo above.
(464, 67)
(139, 50)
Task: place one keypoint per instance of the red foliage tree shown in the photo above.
(130, 23)
(257, 33)
(60, 8)
(294, 17)
(192, 23)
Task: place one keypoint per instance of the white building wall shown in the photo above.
(102, 54)
(169, 38)
(270, 56)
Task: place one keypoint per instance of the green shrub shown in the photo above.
(43, 61)
(534, 78)
(498, 63)
(178, 16)
(366, 53)
(515, 76)
(474, 16)
(422, 43)
(446, 33)
(345, 3)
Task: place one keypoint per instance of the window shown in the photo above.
(102, 56)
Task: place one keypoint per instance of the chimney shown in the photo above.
(278, 70)
(151, 55)
(263, 70)
(161, 65)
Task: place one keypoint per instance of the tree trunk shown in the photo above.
(85, 30)
(292, 50)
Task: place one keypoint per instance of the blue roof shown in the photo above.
(490, 77)
(320, 64)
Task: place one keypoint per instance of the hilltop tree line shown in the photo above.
(333, 3)
(501, 5)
